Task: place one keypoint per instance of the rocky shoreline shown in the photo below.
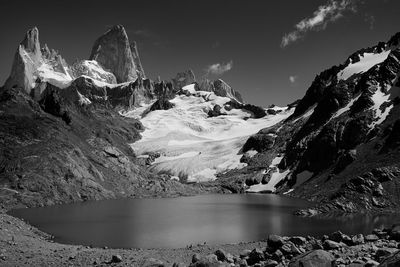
(24, 245)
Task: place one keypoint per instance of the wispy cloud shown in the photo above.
(370, 19)
(330, 12)
(216, 44)
(219, 68)
(292, 79)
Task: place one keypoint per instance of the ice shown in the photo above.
(367, 61)
(194, 146)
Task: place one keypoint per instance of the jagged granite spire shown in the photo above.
(26, 59)
(136, 59)
(112, 50)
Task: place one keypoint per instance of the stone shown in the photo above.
(255, 256)
(316, 258)
(151, 262)
(221, 255)
(196, 257)
(113, 52)
(384, 252)
(245, 253)
(270, 263)
(330, 245)
(336, 236)
(391, 261)
(275, 241)
(298, 240)
(116, 258)
(371, 238)
(358, 239)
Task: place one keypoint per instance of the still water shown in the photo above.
(178, 222)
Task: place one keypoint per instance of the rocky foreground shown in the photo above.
(24, 245)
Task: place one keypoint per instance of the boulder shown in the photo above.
(371, 238)
(391, 261)
(358, 239)
(315, 258)
(330, 245)
(298, 240)
(151, 262)
(116, 258)
(275, 241)
(255, 256)
(113, 52)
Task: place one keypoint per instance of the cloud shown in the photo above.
(330, 12)
(292, 79)
(216, 44)
(219, 68)
(370, 19)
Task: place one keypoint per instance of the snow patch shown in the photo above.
(367, 61)
(48, 74)
(379, 98)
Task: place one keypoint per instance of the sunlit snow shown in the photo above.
(367, 61)
(192, 145)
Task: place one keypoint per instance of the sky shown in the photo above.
(270, 51)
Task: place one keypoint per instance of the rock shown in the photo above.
(358, 239)
(245, 253)
(371, 238)
(270, 263)
(161, 104)
(275, 241)
(136, 59)
(221, 88)
(208, 261)
(182, 79)
(277, 255)
(395, 232)
(336, 236)
(116, 258)
(384, 252)
(259, 142)
(298, 240)
(316, 258)
(391, 261)
(256, 111)
(26, 60)
(330, 245)
(151, 262)
(255, 256)
(221, 255)
(371, 263)
(196, 257)
(113, 52)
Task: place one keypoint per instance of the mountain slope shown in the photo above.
(338, 146)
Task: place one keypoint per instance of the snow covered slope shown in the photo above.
(367, 61)
(192, 145)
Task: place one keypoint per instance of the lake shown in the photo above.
(178, 222)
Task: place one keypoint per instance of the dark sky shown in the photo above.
(177, 35)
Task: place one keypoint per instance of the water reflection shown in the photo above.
(178, 222)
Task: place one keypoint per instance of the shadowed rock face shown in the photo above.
(182, 79)
(221, 88)
(22, 70)
(136, 59)
(112, 51)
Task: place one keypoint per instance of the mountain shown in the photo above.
(340, 146)
(99, 128)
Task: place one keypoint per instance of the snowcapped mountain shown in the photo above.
(338, 145)
(334, 147)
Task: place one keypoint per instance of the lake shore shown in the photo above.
(24, 245)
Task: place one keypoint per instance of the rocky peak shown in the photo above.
(182, 79)
(112, 50)
(136, 59)
(221, 88)
(26, 60)
(31, 43)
